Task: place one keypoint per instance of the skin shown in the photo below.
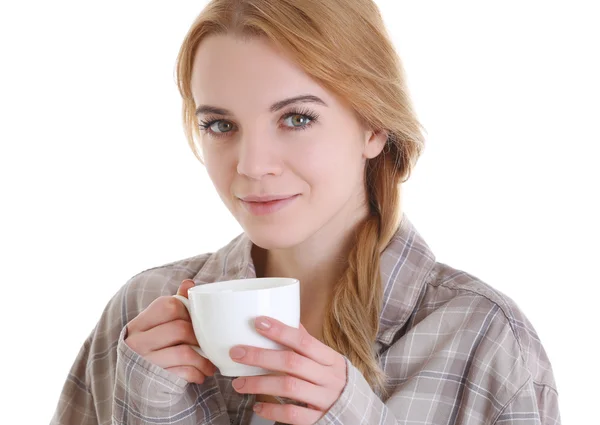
(252, 149)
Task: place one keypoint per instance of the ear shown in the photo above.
(374, 143)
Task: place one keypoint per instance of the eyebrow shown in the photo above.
(307, 98)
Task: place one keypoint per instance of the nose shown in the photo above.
(258, 157)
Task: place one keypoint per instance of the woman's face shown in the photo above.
(287, 171)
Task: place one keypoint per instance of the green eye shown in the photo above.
(293, 120)
(298, 120)
(222, 127)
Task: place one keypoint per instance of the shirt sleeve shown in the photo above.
(473, 377)
(534, 404)
(76, 403)
(358, 404)
(145, 393)
(109, 383)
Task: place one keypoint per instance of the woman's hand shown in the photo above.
(163, 333)
(314, 373)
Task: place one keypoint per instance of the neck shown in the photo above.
(318, 263)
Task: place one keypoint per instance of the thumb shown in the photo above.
(185, 285)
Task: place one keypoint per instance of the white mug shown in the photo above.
(223, 316)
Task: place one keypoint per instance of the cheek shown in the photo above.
(218, 166)
(329, 164)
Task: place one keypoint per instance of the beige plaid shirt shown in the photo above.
(456, 351)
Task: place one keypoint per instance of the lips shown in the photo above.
(265, 198)
(266, 204)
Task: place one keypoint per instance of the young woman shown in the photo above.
(300, 113)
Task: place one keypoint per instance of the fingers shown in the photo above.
(162, 310)
(165, 335)
(285, 386)
(181, 355)
(189, 373)
(299, 340)
(287, 413)
(285, 361)
(185, 285)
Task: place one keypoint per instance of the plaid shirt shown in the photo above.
(456, 351)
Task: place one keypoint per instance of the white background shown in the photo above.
(98, 184)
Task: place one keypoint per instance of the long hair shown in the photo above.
(344, 46)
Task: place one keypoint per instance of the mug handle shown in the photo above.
(186, 303)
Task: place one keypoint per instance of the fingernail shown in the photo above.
(237, 353)
(263, 324)
(257, 407)
(238, 383)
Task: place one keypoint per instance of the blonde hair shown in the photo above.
(344, 46)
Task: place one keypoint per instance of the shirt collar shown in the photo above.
(233, 261)
(406, 263)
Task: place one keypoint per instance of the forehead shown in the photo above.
(252, 73)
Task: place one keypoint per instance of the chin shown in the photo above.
(274, 236)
